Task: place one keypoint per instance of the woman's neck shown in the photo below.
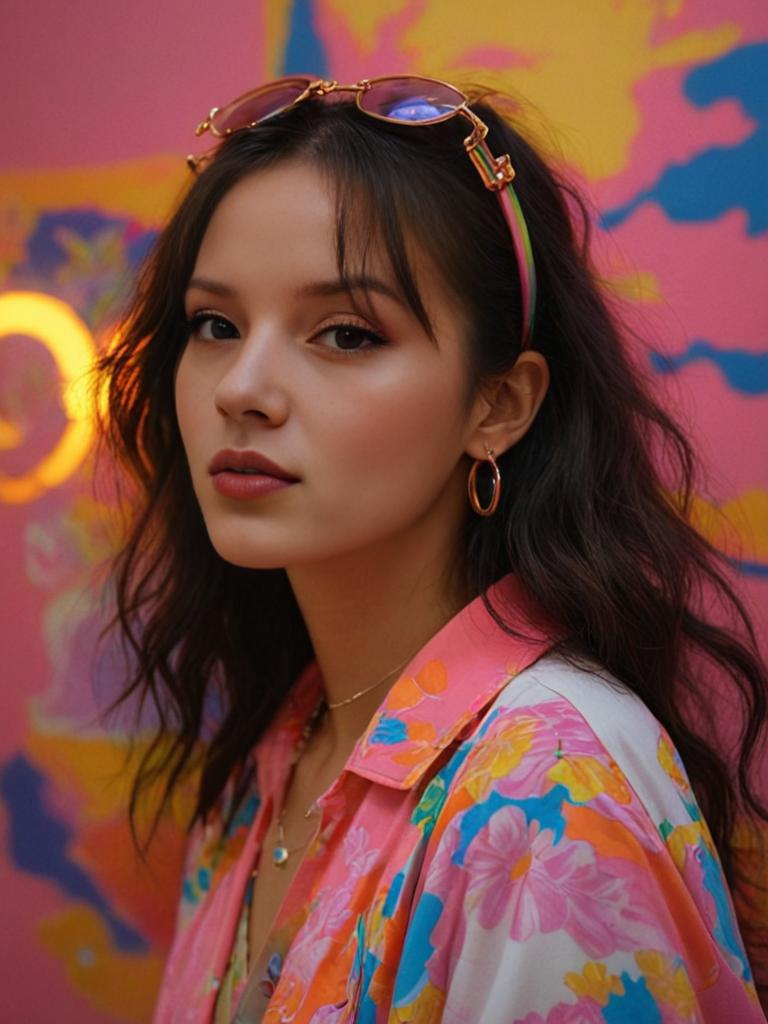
(367, 616)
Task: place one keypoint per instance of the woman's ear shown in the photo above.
(507, 406)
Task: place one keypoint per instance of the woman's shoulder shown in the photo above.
(580, 722)
(563, 832)
(603, 701)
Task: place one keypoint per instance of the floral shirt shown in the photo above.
(513, 840)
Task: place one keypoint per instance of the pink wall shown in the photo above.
(659, 108)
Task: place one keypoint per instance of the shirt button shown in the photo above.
(215, 983)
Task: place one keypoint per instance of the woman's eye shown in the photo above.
(350, 338)
(195, 324)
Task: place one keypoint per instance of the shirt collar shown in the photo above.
(443, 688)
(448, 683)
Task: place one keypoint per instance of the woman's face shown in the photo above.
(363, 410)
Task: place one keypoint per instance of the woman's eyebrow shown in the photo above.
(216, 287)
(358, 282)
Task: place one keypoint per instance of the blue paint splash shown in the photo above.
(39, 844)
(750, 568)
(304, 49)
(721, 178)
(46, 254)
(744, 371)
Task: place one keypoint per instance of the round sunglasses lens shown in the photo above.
(258, 106)
(410, 100)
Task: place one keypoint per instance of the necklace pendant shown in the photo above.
(279, 855)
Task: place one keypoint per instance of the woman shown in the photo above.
(401, 553)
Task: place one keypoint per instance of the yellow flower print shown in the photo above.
(497, 756)
(667, 982)
(684, 839)
(668, 761)
(594, 983)
(428, 1005)
(584, 777)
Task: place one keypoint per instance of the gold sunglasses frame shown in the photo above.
(496, 172)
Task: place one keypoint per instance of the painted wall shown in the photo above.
(661, 108)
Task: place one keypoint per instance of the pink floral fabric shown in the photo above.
(513, 839)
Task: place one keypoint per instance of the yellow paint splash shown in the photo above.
(116, 983)
(144, 189)
(738, 527)
(588, 103)
(365, 20)
(98, 771)
(642, 286)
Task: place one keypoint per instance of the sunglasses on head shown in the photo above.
(403, 100)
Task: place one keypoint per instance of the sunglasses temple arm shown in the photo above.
(196, 163)
(510, 206)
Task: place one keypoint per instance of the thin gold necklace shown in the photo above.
(281, 853)
(360, 693)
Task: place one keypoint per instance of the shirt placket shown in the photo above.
(227, 928)
(296, 909)
(243, 874)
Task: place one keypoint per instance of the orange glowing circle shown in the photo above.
(56, 325)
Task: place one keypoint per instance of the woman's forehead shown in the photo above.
(291, 227)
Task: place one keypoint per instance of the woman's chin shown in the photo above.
(249, 559)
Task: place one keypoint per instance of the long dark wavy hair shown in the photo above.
(595, 512)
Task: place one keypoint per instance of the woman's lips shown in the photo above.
(246, 486)
(246, 474)
(247, 460)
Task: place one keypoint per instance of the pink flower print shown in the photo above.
(518, 874)
(585, 1011)
(358, 854)
(505, 868)
(558, 730)
(566, 724)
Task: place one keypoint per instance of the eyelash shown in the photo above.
(195, 322)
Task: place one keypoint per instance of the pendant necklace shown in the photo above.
(281, 853)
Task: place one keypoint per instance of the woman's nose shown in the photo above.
(252, 383)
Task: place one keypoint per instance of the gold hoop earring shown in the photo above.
(472, 486)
